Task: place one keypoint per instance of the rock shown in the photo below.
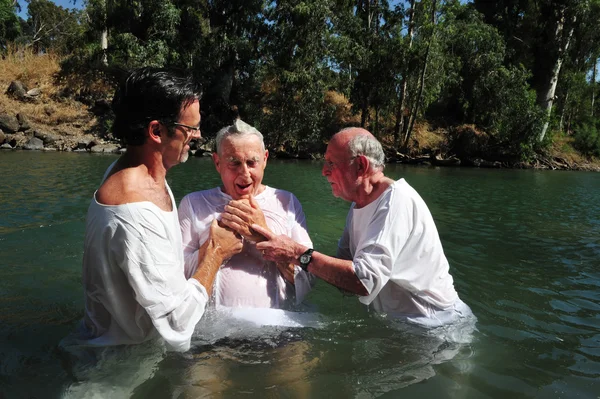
(17, 90)
(105, 148)
(49, 149)
(47, 138)
(9, 123)
(34, 144)
(84, 143)
(34, 92)
(6, 146)
(80, 150)
(122, 150)
(2, 137)
(23, 122)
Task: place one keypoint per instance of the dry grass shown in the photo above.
(426, 140)
(562, 147)
(48, 111)
(343, 109)
(32, 69)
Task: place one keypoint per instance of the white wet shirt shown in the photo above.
(133, 277)
(397, 254)
(247, 280)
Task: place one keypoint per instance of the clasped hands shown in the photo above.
(240, 216)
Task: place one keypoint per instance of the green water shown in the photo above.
(524, 249)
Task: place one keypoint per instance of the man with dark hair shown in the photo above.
(133, 267)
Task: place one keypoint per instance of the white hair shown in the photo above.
(238, 129)
(370, 148)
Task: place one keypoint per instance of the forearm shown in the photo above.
(337, 272)
(209, 262)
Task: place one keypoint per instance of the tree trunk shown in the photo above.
(104, 36)
(548, 98)
(399, 127)
(562, 114)
(364, 113)
(594, 83)
(415, 110)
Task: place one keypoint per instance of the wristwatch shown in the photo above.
(305, 259)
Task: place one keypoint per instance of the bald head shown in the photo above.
(358, 141)
(344, 136)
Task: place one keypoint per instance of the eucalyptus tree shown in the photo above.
(220, 42)
(295, 72)
(10, 28)
(52, 28)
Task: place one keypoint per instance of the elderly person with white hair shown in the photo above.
(390, 253)
(246, 280)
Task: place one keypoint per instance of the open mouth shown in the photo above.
(243, 187)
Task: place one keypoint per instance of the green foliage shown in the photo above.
(587, 138)
(10, 28)
(52, 28)
(274, 62)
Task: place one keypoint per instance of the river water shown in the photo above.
(524, 250)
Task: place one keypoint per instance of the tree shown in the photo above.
(10, 27)
(52, 27)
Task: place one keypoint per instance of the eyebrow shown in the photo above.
(234, 159)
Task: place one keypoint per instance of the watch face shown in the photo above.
(305, 259)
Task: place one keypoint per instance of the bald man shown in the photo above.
(390, 253)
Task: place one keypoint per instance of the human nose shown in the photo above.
(245, 169)
(325, 170)
(196, 134)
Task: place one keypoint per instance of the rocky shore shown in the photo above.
(85, 129)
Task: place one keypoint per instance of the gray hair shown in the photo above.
(370, 148)
(238, 129)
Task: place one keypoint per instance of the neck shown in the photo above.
(370, 187)
(140, 158)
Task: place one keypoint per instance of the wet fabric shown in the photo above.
(133, 277)
(247, 280)
(397, 255)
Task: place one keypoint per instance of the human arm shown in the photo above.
(147, 252)
(221, 245)
(335, 271)
(206, 244)
(240, 215)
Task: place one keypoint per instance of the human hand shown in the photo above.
(279, 248)
(226, 241)
(241, 214)
(287, 270)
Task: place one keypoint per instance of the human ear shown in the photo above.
(154, 131)
(216, 160)
(363, 164)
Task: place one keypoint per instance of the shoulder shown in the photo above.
(122, 187)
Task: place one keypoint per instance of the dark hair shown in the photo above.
(150, 94)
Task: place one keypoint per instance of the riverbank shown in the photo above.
(40, 110)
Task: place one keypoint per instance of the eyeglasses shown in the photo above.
(193, 130)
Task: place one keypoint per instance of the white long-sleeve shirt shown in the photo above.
(247, 280)
(133, 277)
(397, 254)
